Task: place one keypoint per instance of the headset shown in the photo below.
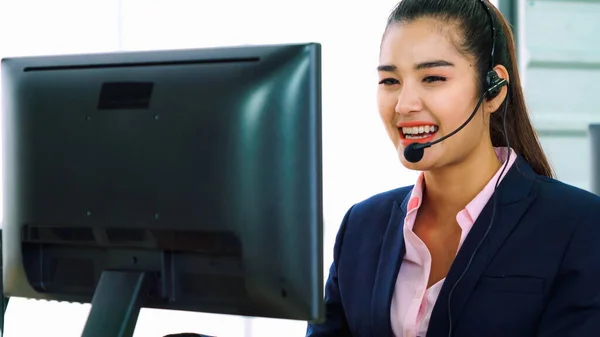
(414, 151)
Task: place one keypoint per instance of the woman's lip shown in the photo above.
(414, 123)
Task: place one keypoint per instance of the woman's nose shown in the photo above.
(408, 101)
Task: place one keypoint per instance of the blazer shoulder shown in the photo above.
(377, 208)
(553, 189)
(555, 192)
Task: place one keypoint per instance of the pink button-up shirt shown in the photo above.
(412, 302)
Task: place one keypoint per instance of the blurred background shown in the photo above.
(559, 57)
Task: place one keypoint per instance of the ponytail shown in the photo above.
(523, 138)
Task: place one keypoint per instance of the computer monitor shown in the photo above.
(181, 179)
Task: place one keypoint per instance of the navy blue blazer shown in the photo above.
(536, 274)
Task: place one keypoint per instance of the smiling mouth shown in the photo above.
(418, 132)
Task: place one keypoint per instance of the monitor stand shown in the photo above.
(116, 304)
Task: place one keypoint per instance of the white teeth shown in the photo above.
(417, 132)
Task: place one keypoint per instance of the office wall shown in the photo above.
(560, 60)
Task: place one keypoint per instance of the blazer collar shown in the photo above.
(514, 195)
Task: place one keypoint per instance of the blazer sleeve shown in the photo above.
(574, 306)
(335, 324)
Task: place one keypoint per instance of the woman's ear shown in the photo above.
(494, 104)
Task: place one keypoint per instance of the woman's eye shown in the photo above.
(431, 79)
(389, 81)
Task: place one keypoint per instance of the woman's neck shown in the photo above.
(448, 190)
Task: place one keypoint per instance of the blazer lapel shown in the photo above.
(390, 259)
(513, 199)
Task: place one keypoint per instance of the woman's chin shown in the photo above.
(414, 166)
(421, 165)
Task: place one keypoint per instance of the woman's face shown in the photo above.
(427, 89)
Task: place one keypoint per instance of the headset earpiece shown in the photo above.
(494, 84)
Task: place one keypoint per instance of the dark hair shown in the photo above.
(470, 17)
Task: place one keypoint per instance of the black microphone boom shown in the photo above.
(414, 152)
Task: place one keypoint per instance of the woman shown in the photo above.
(486, 243)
